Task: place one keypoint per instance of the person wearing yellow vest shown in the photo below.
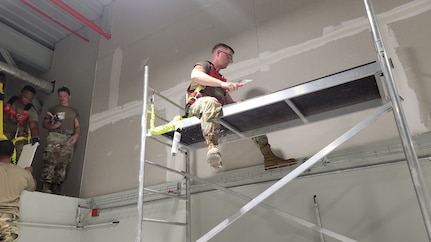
(20, 120)
(208, 92)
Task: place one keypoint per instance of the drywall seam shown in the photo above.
(114, 81)
(128, 110)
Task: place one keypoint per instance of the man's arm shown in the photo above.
(48, 122)
(199, 76)
(32, 181)
(76, 131)
(34, 129)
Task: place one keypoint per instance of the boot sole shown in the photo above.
(280, 165)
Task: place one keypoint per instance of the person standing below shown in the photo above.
(13, 180)
(20, 120)
(62, 122)
(208, 92)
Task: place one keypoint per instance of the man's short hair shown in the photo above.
(63, 89)
(29, 89)
(222, 45)
(6, 148)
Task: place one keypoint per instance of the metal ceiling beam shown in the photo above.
(54, 20)
(81, 18)
(8, 58)
(25, 49)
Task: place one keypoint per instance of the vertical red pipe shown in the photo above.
(81, 18)
(53, 20)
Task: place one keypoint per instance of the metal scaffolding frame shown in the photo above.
(412, 159)
(392, 105)
(140, 206)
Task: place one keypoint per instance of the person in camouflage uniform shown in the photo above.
(13, 180)
(62, 121)
(208, 92)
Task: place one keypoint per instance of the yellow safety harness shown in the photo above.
(3, 136)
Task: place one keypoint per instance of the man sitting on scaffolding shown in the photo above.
(208, 92)
(20, 120)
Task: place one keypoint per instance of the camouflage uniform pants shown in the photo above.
(56, 157)
(8, 227)
(260, 141)
(209, 110)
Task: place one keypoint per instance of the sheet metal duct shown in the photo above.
(45, 86)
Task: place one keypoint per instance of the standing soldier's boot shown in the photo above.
(213, 155)
(56, 189)
(46, 187)
(272, 161)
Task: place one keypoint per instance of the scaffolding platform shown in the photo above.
(341, 93)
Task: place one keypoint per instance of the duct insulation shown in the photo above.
(45, 86)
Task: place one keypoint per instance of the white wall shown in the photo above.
(40, 213)
(370, 204)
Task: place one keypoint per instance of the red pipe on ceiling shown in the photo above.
(81, 18)
(53, 20)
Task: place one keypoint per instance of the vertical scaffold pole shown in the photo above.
(188, 200)
(142, 159)
(409, 151)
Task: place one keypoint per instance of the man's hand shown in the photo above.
(73, 139)
(34, 140)
(231, 86)
(53, 118)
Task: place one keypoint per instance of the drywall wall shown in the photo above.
(277, 43)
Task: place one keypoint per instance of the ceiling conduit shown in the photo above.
(81, 18)
(53, 20)
(45, 86)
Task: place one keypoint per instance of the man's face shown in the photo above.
(226, 57)
(26, 97)
(63, 98)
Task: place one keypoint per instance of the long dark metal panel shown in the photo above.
(327, 97)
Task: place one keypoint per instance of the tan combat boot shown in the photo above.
(272, 161)
(213, 155)
(46, 187)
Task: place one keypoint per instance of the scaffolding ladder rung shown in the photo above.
(164, 167)
(166, 194)
(152, 220)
